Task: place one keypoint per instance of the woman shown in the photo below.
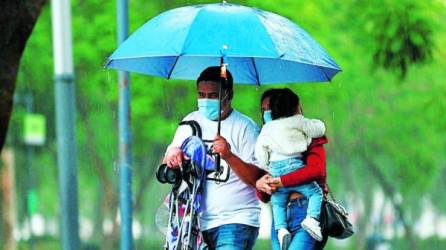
(314, 170)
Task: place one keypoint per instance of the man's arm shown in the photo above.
(248, 173)
(174, 156)
(263, 188)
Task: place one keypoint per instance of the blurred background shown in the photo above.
(385, 118)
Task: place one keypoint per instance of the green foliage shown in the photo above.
(373, 118)
(401, 31)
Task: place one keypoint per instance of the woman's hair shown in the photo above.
(268, 93)
(283, 103)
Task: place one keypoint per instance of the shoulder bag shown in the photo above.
(334, 219)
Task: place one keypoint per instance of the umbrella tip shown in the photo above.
(223, 51)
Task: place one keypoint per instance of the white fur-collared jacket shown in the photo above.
(288, 136)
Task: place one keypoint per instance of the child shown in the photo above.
(284, 137)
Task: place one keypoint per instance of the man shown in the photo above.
(230, 219)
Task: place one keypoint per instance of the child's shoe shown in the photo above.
(284, 238)
(311, 225)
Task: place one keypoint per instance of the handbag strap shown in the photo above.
(330, 193)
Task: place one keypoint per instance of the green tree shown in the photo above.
(385, 132)
(17, 19)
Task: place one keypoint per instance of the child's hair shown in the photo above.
(283, 103)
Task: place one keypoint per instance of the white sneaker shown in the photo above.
(284, 238)
(311, 225)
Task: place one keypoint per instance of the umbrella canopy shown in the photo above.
(259, 47)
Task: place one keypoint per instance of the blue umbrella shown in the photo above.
(258, 46)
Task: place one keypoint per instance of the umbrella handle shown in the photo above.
(223, 80)
(217, 165)
(216, 162)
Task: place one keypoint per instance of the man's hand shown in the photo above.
(174, 158)
(263, 184)
(222, 147)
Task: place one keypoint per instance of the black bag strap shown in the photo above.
(330, 193)
(338, 206)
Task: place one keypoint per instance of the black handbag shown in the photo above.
(334, 219)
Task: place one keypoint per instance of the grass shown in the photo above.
(48, 243)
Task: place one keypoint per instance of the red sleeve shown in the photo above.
(315, 168)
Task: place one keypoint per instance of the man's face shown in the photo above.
(209, 90)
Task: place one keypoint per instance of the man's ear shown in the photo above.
(231, 94)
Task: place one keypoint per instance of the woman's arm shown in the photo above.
(314, 169)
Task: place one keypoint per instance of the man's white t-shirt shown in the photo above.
(232, 201)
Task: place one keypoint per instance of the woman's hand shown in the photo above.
(263, 184)
(275, 182)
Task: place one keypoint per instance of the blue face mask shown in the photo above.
(209, 108)
(267, 116)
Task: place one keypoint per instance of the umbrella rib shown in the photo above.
(325, 74)
(173, 67)
(255, 69)
(185, 39)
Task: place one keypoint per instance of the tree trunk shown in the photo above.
(109, 201)
(98, 220)
(7, 191)
(366, 196)
(147, 172)
(17, 20)
(389, 190)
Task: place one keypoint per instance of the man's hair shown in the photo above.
(213, 74)
(283, 103)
